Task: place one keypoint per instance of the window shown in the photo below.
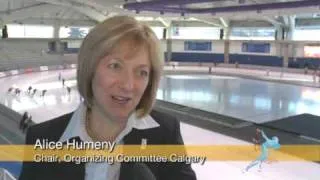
(29, 31)
(195, 33)
(252, 34)
(158, 31)
(306, 34)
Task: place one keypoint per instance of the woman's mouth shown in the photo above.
(121, 99)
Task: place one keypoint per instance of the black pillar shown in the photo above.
(5, 32)
(221, 33)
(164, 33)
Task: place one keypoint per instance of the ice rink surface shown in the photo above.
(252, 100)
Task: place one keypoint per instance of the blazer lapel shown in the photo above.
(72, 170)
(125, 168)
(139, 137)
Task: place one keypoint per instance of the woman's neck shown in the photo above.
(100, 127)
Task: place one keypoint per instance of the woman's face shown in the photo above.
(119, 83)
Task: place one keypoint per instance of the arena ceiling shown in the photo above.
(220, 13)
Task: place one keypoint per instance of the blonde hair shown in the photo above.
(103, 39)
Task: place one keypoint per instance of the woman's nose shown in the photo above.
(127, 81)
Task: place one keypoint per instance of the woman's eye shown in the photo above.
(114, 66)
(144, 73)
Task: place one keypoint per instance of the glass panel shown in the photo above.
(306, 34)
(252, 34)
(158, 31)
(195, 33)
(29, 31)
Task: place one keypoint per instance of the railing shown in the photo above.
(6, 175)
(9, 113)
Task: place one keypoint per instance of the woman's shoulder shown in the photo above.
(165, 120)
(168, 131)
(51, 129)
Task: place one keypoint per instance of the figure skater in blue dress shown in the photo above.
(269, 143)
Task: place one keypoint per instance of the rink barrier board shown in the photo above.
(36, 69)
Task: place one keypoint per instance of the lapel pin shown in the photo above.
(143, 143)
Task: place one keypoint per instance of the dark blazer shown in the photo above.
(167, 133)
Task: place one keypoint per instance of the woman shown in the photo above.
(119, 69)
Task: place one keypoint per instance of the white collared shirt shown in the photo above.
(76, 128)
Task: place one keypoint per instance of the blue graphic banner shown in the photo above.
(256, 47)
(197, 45)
